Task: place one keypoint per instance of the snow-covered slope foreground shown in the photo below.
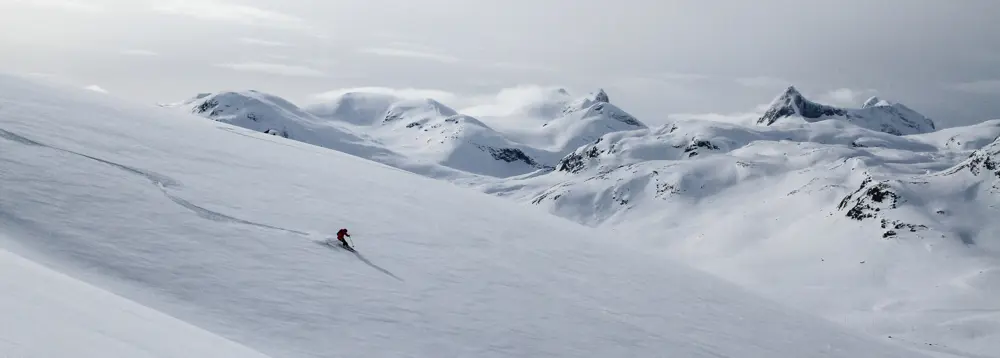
(49, 314)
(220, 230)
(893, 235)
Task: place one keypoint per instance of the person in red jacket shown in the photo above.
(340, 236)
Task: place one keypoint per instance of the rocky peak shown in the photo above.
(584, 103)
(601, 96)
(791, 103)
(790, 92)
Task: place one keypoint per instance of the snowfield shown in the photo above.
(219, 227)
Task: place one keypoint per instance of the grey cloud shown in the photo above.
(988, 87)
(274, 69)
(409, 53)
(261, 42)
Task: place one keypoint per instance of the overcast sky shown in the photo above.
(654, 57)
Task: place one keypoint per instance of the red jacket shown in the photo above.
(342, 233)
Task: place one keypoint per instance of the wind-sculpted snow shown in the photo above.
(480, 276)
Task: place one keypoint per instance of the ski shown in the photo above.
(342, 246)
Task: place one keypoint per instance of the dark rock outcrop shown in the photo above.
(791, 103)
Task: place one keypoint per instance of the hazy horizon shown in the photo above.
(655, 58)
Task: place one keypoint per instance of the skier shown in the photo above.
(340, 236)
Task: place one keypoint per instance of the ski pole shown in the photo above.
(350, 241)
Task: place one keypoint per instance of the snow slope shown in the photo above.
(48, 314)
(219, 229)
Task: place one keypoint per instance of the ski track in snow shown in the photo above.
(162, 182)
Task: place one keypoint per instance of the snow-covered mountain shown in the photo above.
(586, 119)
(847, 212)
(426, 129)
(359, 108)
(429, 130)
(267, 113)
(558, 123)
(890, 234)
(221, 228)
(875, 114)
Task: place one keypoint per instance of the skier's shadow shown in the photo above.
(362, 258)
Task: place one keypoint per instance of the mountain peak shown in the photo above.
(875, 102)
(601, 96)
(585, 102)
(791, 92)
(791, 102)
(875, 114)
